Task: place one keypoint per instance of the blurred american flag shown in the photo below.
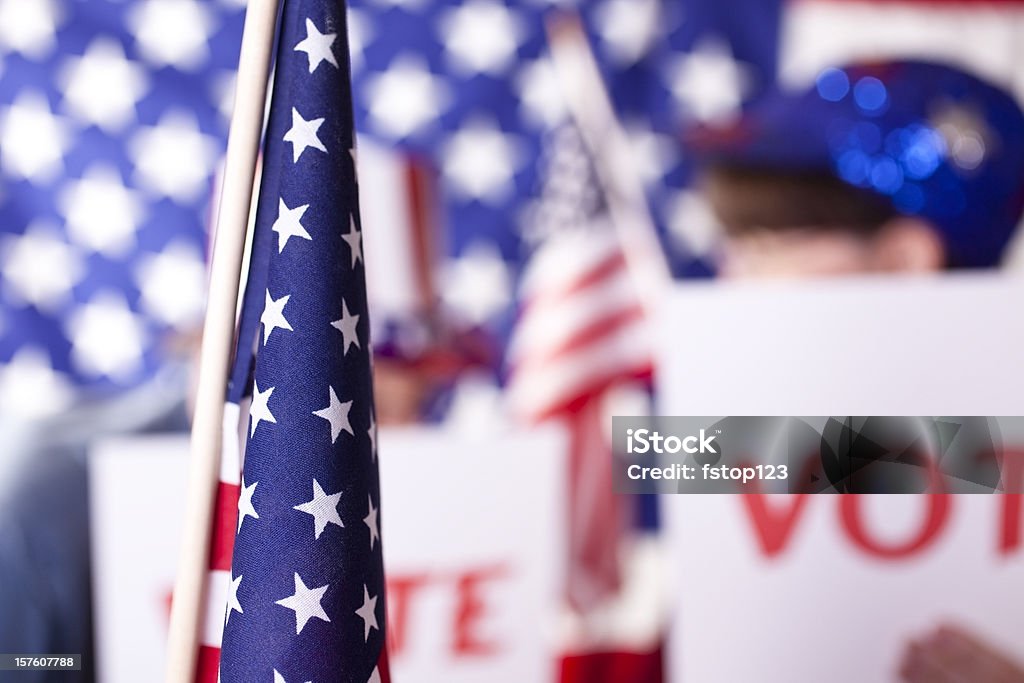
(470, 86)
(113, 117)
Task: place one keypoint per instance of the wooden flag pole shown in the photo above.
(218, 336)
(591, 109)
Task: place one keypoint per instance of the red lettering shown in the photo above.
(773, 524)
(938, 512)
(1013, 501)
(470, 609)
(401, 590)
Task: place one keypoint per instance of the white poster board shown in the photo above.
(474, 534)
(136, 493)
(832, 587)
(472, 530)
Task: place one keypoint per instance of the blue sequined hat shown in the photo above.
(939, 143)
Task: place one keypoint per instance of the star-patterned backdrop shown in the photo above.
(113, 120)
(469, 86)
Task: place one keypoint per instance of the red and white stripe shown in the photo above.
(222, 541)
(581, 331)
(582, 327)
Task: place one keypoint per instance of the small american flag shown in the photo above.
(581, 331)
(301, 596)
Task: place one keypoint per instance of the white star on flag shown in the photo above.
(317, 46)
(323, 508)
(172, 284)
(260, 408)
(173, 32)
(174, 158)
(245, 505)
(406, 97)
(337, 415)
(480, 161)
(478, 284)
(34, 140)
(629, 27)
(708, 82)
(371, 523)
(29, 27)
(305, 602)
(273, 316)
(107, 337)
(302, 134)
(368, 613)
(84, 80)
(233, 604)
(101, 213)
(287, 224)
(278, 678)
(482, 36)
(372, 433)
(47, 288)
(354, 238)
(347, 327)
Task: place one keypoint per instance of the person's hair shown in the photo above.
(746, 199)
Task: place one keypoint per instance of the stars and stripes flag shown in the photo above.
(581, 331)
(296, 589)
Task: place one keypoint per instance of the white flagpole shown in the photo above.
(219, 335)
(591, 109)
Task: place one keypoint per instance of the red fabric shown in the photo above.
(225, 517)
(600, 383)
(593, 333)
(613, 667)
(595, 521)
(383, 666)
(602, 271)
(208, 664)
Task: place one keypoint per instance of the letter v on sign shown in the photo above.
(773, 518)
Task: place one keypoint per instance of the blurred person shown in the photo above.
(888, 168)
(417, 361)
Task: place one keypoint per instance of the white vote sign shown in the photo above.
(474, 541)
(805, 589)
(473, 537)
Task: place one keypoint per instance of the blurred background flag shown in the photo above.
(470, 86)
(581, 331)
(296, 573)
(113, 117)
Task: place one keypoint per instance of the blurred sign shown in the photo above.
(136, 490)
(472, 553)
(807, 588)
(473, 549)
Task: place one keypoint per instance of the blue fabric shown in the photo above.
(936, 142)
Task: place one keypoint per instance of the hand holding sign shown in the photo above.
(952, 654)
